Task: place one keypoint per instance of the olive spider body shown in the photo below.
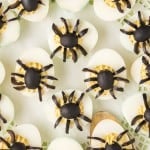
(114, 146)
(18, 146)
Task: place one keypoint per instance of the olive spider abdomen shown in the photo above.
(147, 115)
(18, 146)
(69, 40)
(32, 78)
(142, 33)
(114, 146)
(30, 5)
(70, 111)
(105, 79)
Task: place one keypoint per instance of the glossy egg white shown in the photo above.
(72, 6)
(11, 32)
(6, 109)
(64, 143)
(38, 15)
(104, 127)
(124, 38)
(40, 56)
(2, 72)
(89, 40)
(106, 13)
(50, 110)
(130, 109)
(110, 58)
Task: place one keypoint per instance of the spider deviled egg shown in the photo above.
(6, 111)
(70, 38)
(2, 72)
(64, 143)
(140, 71)
(9, 28)
(31, 10)
(22, 137)
(110, 10)
(136, 110)
(73, 5)
(105, 74)
(34, 73)
(69, 110)
(108, 134)
(135, 33)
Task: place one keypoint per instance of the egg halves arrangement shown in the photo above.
(70, 112)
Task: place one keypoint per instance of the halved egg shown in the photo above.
(64, 143)
(37, 15)
(107, 133)
(105, 72)
(134, 112)
(6, 111)
(10, 31)
(34, 73)
(70, 38)
(2, 72)
(109, 10)
(70, 111)
(128, 39)
(25, 136)
(72, 6)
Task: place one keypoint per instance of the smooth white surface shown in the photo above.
(2, 72)
(28, 109)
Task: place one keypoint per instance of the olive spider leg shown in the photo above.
(121, 79)
(127, 32)
(64, 54)
(40, 2)
(140, 125)
(136, 48)
(92, 87)
(128, 143)
(4, 141)
(130, 24)
(74, 55)
(85, 118)
(119, 137)
(83, 51)
(90, 70)
(12, 6)
(128, 4)
(145, 49)
(76, 121)
(22, 64)
(140, 18)
(135, 119)
(32, 147)
(100, 92)
(76, 26)
(71, 96)
(12, 135)
(112, 93)
(82, 33)
(45, 68)
(144, 80)
(56, 51)
(80, 98)
(67, 126)
(145, 101)
(119, 70)
(66, 25)
(64, 97)
(118, 6)
(40, 92)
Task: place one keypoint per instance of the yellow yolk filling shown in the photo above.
(63, 30)
(100, 68)
(35, 65)
(18, 139)
(112, 4)
(112, 137)
(58, 114)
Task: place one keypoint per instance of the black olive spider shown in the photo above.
(15, 145)
(33, 78)
(69, 40)
(105, 81)
(118, 4)
(147, 69)
(1, 117)
(115, 145)
(141, 34)
(70, 110)
(28, 5)
(143, 118)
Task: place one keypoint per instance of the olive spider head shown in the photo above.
(18, 146)
(114, 146)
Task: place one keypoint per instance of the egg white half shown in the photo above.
(40, 56)
(110, 58)
(64, 143)
(107, 13)
(2, 72)
(88, 41)
(37, 15)
(73, 5)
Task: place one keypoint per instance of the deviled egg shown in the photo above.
(22, 137)
(135, 33)
(34, 73)
(9, 29)
(64, 143)
(107, 133)
(2, 72)
(73, 5)
(136, 111)
(34, 10)
(105, 74)
(6, 110)
(69, 110)
(110, 10)
(69, 38)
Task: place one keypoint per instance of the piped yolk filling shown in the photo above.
(98, 69)
(61, 102)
